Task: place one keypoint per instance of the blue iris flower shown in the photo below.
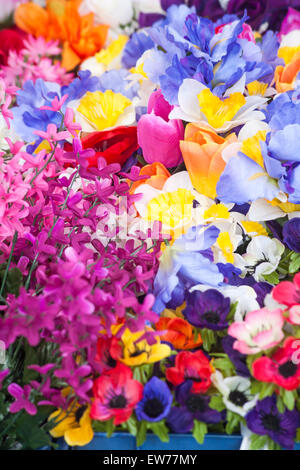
(80, 86)
(156, 402)
(135, 47)
(185, 263)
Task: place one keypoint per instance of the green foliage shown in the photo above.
(199, 431)
(288, 398)
(225, 365)
(160, 430)
(209, 339)
(272, 278)
(141, 433)
(258, 442)
(216, 403)
(233, 422)
(294, 265)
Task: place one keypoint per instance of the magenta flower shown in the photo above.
(22, 401)
(290, 22)
(159, 136)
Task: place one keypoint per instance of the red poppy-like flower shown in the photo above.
(109, 350)
(179, 333)
(191, 366)
(288, 293)
(10, 40)
(115, 145)
(116, 394)
(283, 368)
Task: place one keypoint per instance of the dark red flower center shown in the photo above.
(271, 422)
(119, 401)
(237, 398)
(288, 369)
(109, 360)
(153, 408)
(195, 403)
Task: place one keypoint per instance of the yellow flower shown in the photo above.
(286, 207)
(224, 243)
(257, 88)
(103, 110)
(74, 425)
(251, 147)
(137, 352)
(217, 211)
(218, 111)
(288, 53)
(254, 228)
(173, 209)
(106, 56)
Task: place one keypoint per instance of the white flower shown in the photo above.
(189, 107)
(246, 442)
(263, 256)
(235, 392)
(113, 12)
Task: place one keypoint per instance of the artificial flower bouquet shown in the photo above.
(149, 221)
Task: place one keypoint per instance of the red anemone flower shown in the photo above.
(115, 145)
(109, 350)
(116, 394)
(282, 368)
(191, 366)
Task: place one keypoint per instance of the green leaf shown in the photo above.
(160, 430)
(199, 431)
(266, 390)
(110, 427)
(225, 365)
(288, 398)
(141, 433)
(216, 403)
(132, 425)
(280, 404)
(30, 432)
(272, 278)
(257, 442)
(232, 311)
(255, 388)
(233, 421)
(209, 338)
(294, 265)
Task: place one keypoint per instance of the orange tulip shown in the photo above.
(179, 333)
(158, 175)
(61, 20)
(285, 77)
(202, 153)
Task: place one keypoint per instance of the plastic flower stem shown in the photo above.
(10, 424)
(33, 265)
(8, 262)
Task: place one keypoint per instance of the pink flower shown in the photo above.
(56, 104)
(290, 22)
(260, 330)
(158, 136)
(288, 293)
(22, 401)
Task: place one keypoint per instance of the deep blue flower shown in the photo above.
(265, 419)
(207, 309)
(291, 234)
(156, 402)
(238, 359)
(192, 406)
(135, 47)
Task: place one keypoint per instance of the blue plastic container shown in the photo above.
(177, 442)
